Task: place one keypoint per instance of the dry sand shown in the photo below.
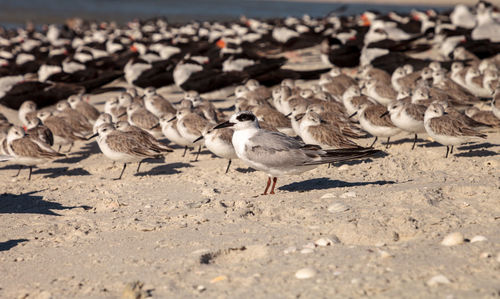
(186, 229)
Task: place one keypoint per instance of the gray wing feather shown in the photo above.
(275, 149)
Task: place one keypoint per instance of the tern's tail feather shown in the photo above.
(339, 155)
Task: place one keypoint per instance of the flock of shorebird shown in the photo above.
(277, 127)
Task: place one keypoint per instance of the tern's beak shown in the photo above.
(155, 126)
(95, 135)
(198, 139)
(123, 114)
(444, 112)
(172, 119)
(384, 114)
(224, 125)
(352, 115)
(288, 115)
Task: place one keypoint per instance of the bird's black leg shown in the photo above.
(197, 154)
(451, 150)
(70, 147)
(138, 167)
(185, 150)
(123, 169)
(447, 150)
(376, 138)
(414, 142)
(388, 145)
(31, 169)
(228, 164)
(18, 171)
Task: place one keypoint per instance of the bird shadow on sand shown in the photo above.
(165, 169)
(381, 154)
(430, 144)
(475, 146)
(7, 245)
(10, 167)
(326, 183)
(61, 171)
(477, 150)
(407, 140)
(85, 152)
(245, 170)
(27, 203)
(477, 153)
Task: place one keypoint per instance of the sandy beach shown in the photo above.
(183, 229)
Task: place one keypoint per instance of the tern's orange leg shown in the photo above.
(274, 184)
(267, 186)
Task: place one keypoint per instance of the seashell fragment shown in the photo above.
(453, 239)
(437, 280)
(305, 273)
(478, 239)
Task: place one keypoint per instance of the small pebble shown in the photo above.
(218, 278)
(337, 207)
(380, 244)
(348, 194)
(290, 249)
(478, 239)
(437, 280)
(329, 195)
(498, 257)
(485, 255)
(200, 288)
(343, 167)
(307, 250)
(453, 239)
(309, 245)
(384, 254)
(305, 273)
(323, 242)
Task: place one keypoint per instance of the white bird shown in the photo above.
(278, 154)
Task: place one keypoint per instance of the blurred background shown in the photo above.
(17, 12)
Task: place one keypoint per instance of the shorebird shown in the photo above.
(315, 131)
(75, 119)
(35, 129)
(190, 126)
(408, 117)
(371, 122)
(447, 130)
(90, 112)
(484, 117)
(382, 93)
(168, 125)
(27, 151)
(219, 142)
(278, 154)
(125, 147)
(140, 117)
(207, 109)
(352, 99)
(27, 111)
(63, 132)
(143, 137)
(158, 105)
(104, 118)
